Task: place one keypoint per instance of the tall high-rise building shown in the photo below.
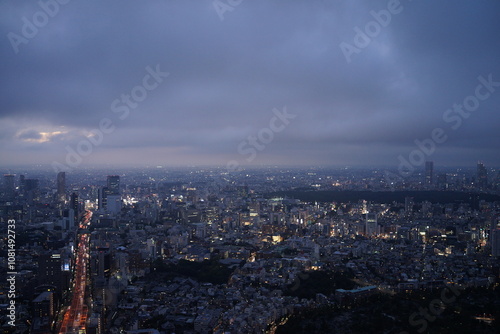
(102, 195)
(429, 172)
(44, 309)
(22, 183)
(61, 186)
(8, 183)
(109, 198)
(482, 176)
(44, 305)
(113, 204)
(101, 262)
(495, 242)
(74, 203)
(31, 184)
(113, 184)
(31, 189)
(371, 225)
(442, 181)
(54, 269)
(68, 220)
(409, 203)
(105, 197)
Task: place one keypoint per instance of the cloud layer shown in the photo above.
(227, 76)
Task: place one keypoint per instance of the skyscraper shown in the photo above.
(495, 242)
(54, 270)
(429, 172)
(442, 181)
(31, 184)
(8, 182)
(371, 227)
(22, 183)
(113, 203)
(102, 198)
(74, 203)
(61, 186)
(113, 184)
(482, 176)
(31, 190)
(409, 203)
(68, 219)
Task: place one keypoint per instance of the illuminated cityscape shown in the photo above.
(249, 167)
(207, 251)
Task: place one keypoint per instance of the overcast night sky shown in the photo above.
(226, 77)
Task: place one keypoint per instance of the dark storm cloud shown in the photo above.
(227, 76)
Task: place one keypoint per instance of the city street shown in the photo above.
(76, 315)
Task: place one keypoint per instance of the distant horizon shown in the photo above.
(246, 167)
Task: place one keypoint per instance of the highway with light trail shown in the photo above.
(75, 317)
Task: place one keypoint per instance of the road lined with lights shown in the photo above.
(75, 318)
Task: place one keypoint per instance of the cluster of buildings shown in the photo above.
(145, 220)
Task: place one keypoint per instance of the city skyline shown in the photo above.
(178, 84)
(201, 250)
